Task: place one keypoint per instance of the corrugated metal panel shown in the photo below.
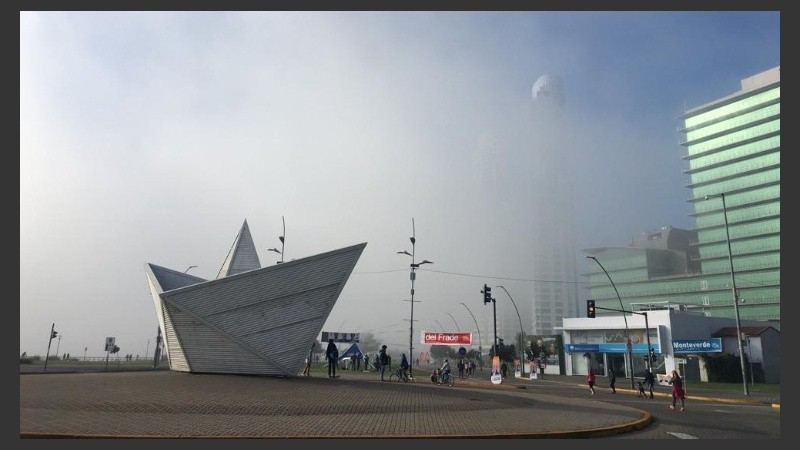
(272, 314)
(243, 255)
(177, 360)
(273, 282)
(168, 279)
(211, 351)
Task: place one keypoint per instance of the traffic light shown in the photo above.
(653, 357)
(115, 349)
(53, 334)
(487, 294)
(590, 309)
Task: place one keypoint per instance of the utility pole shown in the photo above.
(53, 333)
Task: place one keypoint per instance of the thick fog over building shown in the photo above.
(511, 139)
(526, 177)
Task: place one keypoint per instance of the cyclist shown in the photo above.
(445, 371)
(404, 365)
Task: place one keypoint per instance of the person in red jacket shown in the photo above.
(590, 381)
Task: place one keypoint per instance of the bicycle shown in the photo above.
(399, 375)
(447, 378)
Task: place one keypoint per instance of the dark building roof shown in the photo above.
(748, 331)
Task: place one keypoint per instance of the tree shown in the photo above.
(506, 353)
(440, 352)
(474, 355)
(368, 343)
(537, 351)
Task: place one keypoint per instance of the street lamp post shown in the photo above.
(622, 307)
(282, 238)
(454, 321)
(733, 290)
(521, 334)
(480, 348)
(414, 266)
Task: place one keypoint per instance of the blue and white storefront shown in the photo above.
(677, 339)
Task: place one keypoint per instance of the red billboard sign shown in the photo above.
(432, 338)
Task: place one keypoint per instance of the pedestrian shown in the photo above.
(366, 363)
(612, 380)
(640, 389)
(677, 390)
(649, 382)
(504, 369)
(590, 380)
(332, 354)
(383, 360)
(307, 369)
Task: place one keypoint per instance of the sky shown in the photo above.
(150, 137)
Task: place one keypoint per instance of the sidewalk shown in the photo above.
(165, 404)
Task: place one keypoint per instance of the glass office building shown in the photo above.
(732, 151)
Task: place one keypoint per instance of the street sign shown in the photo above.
(433, 338)
(462, 351)
(110, 344)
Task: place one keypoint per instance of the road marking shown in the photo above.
(682, 435)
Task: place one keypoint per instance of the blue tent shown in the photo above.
(353, 351)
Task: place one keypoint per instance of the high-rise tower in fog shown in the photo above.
(554, 294)
(520, 173)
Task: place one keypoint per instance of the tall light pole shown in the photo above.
(521, 334)
(733, 289)
(622, 307)
(480, 348)
(454, 321)
(414, 266)
(282, 238)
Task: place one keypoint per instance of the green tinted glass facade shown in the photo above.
(733, 151)
(732, 147)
